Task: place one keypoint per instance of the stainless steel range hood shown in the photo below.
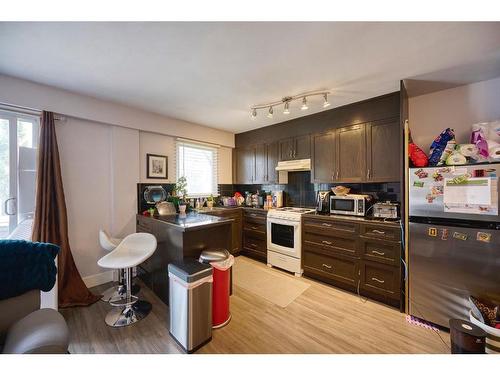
(294, 165)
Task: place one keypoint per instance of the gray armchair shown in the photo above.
(25, 328)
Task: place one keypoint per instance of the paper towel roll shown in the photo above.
(494, 150)
(456, 158)
(468, 150)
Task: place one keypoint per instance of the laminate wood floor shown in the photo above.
(321, 320)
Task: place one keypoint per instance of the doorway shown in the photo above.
(18, 145)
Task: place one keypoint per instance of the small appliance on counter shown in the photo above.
(323, 202)
(386, 210)
(278, 198)
(350, 204)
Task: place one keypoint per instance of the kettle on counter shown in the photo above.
(165, 208)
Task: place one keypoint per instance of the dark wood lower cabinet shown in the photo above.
(255, 234)
(360, 257)
(236, 226)
(343, 269)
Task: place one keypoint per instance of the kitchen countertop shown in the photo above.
(354, 219)
(190, 220)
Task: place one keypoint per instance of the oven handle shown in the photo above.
(282, 222)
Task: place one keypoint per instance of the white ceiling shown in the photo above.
(211, 73)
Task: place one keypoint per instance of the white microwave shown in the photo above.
(350, 204)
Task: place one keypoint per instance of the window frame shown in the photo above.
(180, 142)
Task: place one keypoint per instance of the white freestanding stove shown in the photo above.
(284, 242)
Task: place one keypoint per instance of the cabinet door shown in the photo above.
(351, 151)
(302, 147)
(286, 149)
(245, 165)
(383, 143)
(323, 157)
(272, 162)
(260, 164)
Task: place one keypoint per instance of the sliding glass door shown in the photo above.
(18, 144)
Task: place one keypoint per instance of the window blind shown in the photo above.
(198, 162)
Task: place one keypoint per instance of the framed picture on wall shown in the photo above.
(157, 166)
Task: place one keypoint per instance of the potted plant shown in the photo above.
(181, 192)
(210, 201)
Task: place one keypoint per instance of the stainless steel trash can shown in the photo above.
(190, 303)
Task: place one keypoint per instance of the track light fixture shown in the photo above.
(286, 110)
(304, 104)
(286, 102)
(326, 102)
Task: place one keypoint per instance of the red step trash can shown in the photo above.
(221, 261)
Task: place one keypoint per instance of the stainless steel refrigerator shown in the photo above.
(454, 240)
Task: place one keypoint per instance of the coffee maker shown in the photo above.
(323, 202)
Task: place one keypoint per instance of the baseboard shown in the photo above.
(99, 278)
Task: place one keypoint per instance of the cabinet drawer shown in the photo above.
(252, 213)
(381, 251)
(379, 231)
(331, 244)
(342, 269)
(255, 227)
(255, 244)
(328, 227)
(380, 278)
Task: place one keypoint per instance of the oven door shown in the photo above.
(283, 236)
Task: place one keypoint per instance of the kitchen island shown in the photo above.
(179, 236)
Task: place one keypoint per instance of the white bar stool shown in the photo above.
(132, 251)
(113, 293)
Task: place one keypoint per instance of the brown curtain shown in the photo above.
(51, 221)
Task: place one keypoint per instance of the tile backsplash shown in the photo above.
(301, 192)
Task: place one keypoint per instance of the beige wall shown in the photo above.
(100, 171)
(457, 108)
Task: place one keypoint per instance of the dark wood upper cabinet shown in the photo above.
(245, 165)
(272, 162)
(295, 148)
(351, 154)
(302, 147)
(323, 157)
(286, 147)
(383, 144)
(260, 164)
(256, 164)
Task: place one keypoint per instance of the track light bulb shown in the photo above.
(286, 111)
(254, 113)
(326, 103)
(270, 114)
(304, 104)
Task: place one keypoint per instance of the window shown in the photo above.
(198, 163)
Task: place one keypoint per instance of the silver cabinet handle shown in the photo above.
(326, 225)
(254, 215)
(378, 231)
(378, 252)
(6, 207)
(337, 175)
(326, 242)
(378, 280)
(254, 228)
(253, 245)
(368, 173)
(327, 266)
